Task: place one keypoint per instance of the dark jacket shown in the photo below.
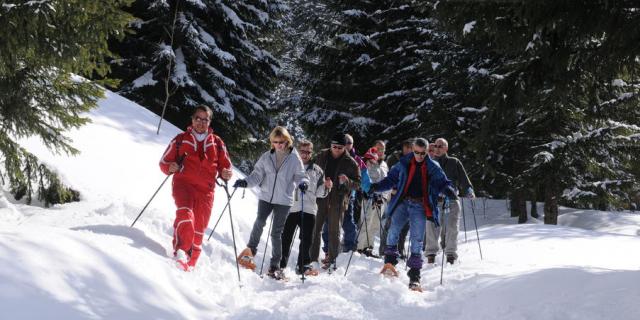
(347, 166)
(455, 172)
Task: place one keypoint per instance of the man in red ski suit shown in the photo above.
(196, 157)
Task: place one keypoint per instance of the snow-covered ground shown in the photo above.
(82, 260)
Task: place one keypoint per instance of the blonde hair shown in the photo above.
(281, 132)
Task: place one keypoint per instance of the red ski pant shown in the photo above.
(194, 205)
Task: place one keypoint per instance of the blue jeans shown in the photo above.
(415, 214)
(348, 227)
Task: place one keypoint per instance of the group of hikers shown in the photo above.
(334, 193)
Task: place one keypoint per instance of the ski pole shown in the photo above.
(301, 254)
(179, 162)
(148, 202)
(444, 218)
(233, 233)
(266, 244)
(357, 236)
(223, 209)
(477, 233)
(464, 221)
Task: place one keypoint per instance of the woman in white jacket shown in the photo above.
(305, 217)
(277, 173)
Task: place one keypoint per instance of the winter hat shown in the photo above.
(372, 154)
(339, 139)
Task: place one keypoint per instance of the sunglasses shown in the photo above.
(337, 147)
(304, 152)
(278, 142)
(418, 153)
(196, 118)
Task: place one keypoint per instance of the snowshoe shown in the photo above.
(277, 274)
(388, 270)
(415, 286)
(245, 259)
(369, 253)
(308, 270)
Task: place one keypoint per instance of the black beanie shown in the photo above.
(339, 139)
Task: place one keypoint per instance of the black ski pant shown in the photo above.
(305, 236)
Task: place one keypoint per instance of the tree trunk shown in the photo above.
(550, 204)
(534, 209)
(519, 206)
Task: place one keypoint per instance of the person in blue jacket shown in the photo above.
(419, 181)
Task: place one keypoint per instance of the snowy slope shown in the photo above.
(83, 261)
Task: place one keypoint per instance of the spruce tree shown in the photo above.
(185, 53)
(561, 109)
(45, 49)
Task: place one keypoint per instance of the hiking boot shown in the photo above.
(369, 253)
(431, 258)
(276, 273)
(326, 259)
(182, 260)
(451, 258)
(388, 270)
(245, 259)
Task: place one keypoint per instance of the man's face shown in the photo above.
(432, 150)
(420, 153)
(380, 147)
(305, 153)
(440, 149)
(349, 145)
(200, 121)
(337, 150)
(406, 150)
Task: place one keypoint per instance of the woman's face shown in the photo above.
(279, 143)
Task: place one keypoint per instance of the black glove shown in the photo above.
(377, 199)
(303, 186)
(450, 192)
(240, 183)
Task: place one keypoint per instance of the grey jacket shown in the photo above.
(277, 186)
(316, 190)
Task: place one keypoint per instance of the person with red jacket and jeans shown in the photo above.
(419, 181)
(196, 158)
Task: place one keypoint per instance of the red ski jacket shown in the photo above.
(203, 161)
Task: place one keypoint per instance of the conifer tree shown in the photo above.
(45, 48)
(218, 53)
(561, 110)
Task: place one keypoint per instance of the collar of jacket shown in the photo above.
(190, 130)
(273, 150)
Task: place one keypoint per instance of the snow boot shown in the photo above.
(276, 274)
(451, 258)
(245, 259)
(182, 260)
(431, 258)
(414, 279)
(388, 270)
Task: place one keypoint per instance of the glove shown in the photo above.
(377, 199)
(470, 193)
(303, 186)
(450, 192)
(240, 183)
(372, 191)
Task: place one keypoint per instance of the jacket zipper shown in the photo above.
(275, 180)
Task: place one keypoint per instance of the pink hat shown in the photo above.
(372, 154)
